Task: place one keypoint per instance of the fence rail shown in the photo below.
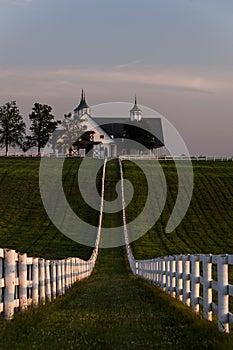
(189, 278)
(26, 281)
(180, 277)
(193, 158)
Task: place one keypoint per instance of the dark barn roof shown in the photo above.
(147, 131)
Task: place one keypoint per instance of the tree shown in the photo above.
(12, 126)
(43, 125)
(72, 130)
(27, 143)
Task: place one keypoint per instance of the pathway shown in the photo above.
(112, 310)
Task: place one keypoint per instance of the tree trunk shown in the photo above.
(6, 141)
(39, 137)
(6, 145)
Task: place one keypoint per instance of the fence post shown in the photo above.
(22, 281)
(163, 275)
(66, 274)
(42, 281)
(63, 279)
(207, 288)
(186, 280)
(53, 279)
(69, 272)
(136, 267)
(149, 270)
(59, 281)
(76, 269)
(73, 271)
(179, 278)
(47, 280)
(80, 270)
(156, 271)
(83, 269)
(167, 272)
(150, 266)
(195, 283)
(172, 276)
(35, 282)
(9, 290)
(223, 297)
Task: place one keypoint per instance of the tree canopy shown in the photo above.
(43, 125)
(72, 129)
(12, 126)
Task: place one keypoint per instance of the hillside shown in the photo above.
(208, 224)
(24, 224)
(112, 310)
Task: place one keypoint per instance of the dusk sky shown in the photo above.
(176, 55)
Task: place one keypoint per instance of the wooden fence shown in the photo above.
(26, 281)
(193, 158)
(189, 278)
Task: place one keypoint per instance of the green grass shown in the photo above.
(24, 224)
(208, 224)
(112, 310)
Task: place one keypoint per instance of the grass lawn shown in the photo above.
(208, 223)
(24, 224)
(112, 310)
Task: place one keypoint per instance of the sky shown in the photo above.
(176, 55)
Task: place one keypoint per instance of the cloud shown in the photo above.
(24, 82)
(198, 101)
(128, 64)
(60, 87)
(15, 2)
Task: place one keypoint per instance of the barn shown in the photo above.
(111, 136)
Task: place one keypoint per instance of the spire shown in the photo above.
(84, 103)
(135, 107)
(83, 106)
(84, 97)
(135, 112)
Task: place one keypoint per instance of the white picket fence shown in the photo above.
(189, 278)
(180, 277)
(197, 158)
(26, 281)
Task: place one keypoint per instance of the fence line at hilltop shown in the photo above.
(193, 158)
(129, 157)
(188, 278)
(26, 281)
